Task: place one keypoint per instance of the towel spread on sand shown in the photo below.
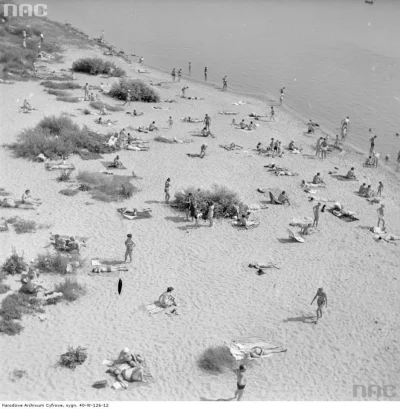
(154, 308)
(240, 348)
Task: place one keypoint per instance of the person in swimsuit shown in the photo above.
(224, 83)
(166, 190)
(372, 147)
(194, 212)
(211, 213)
(183, 91)
(272, 116)
(205, 73)
(241, 382)
(381, 216)
(380, 189)
(316, 210)
(108, 269)
(167, 299)
(324, 148)
(173, 74)
(28, 199)
(188, 205)
(321, 301)
(129, 244)
(190, 69)
(362, 189)
(207, 121)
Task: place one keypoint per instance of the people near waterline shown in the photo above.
(337, 141)
(190, 69)
(322, 300)
(166, 190)
(205, 73)
(129, 245)
(179, 75)
(207, 121)
(194, 213)
(324, 148)
(381, 216)
(152, 126)
(86, 88)
(173, 75)
(210, 213)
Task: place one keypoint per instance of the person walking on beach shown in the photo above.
(166, 190)
(128, 98)
(173, 75)
(129, 244)
(190, 69)
(207, 122)
(241, 381)
(380, 189)
(272, 115)
(372, 147)
(322, 300)
(224, 83)
(316, 210)
(179, 75)
(205, 73)
(210, 215)
(170, 122)
(86, 87)
(381, 216)
(324, 148)
(183, 91)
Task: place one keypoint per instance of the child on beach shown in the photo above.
(170, 122)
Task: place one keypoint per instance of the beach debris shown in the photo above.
(73, 357)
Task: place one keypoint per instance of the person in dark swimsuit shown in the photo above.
(241, 382)
(166, 190)
(321, 301)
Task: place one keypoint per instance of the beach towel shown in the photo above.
(154, 308)
(240, 348)
(108, 165)
(294, 236)
(86, 155)
(274, 200)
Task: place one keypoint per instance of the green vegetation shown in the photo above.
(216, 360)
(71, 289)
(60, 85)
(96, 66)
(14, 264)
(72, 358)
(138, 89)
(224, 199)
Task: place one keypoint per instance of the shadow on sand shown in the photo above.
(303, 319)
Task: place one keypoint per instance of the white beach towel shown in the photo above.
(154, 308)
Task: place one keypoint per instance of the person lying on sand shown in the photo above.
(203, 149)
(61, 165)
(317, 180)
(351, 174)
(195, 98)
(109, 269)
(339, 210)
(108, 122)
(256, 116)
(261, 266)
(283, 197)
(285, 173)
(258, 352)
(28, 199)
(152, 126)
(166, 299)
(138, 148)
(117, 163)
(191, 120)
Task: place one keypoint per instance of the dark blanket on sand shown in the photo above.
(109, 165)
(90, 155)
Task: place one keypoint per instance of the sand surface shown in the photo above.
(356, 342)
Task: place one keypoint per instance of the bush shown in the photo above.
(73, 100)
(58, 78)
(96, 66)
(10, 327)
(69, 192)
(3, 192)
(73, 357)
(55, 263)
(58, 92)
(15, 305)
(14, 264)
(216, 360)
(65, 175)
(139, 91)
(100, 105)
(4, 288)
(22, 226)
(225, 200)
(71, 289)
(60, 85)
(107, 188)
(57, 137)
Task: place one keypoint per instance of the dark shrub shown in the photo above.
(59, 92)
(4, 288)
(60, 85)
(10, 327)
(15, 305)
(71, 289)
(96, 66)
(139, 91)
(55, 263)
(14, 264)
(22, 226)
(216, 360)
(72, 358)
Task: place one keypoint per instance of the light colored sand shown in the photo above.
(220, 298)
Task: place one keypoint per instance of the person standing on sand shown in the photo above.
(337, 141)
(173, 75)
(272, 116)
(211, 213)
(372, 147)
(207, 122)
(128, 98)
(183, 91)
(190, 69)
(129, 244)
(241, 381)
(324, 148)
(224, 83)
(321, 301)
(166, 190)
(381, 216)
(318, 147)
(179, 75)
(205, 73)
(170, 122)
(86, 88)
(316, 210)
(380, 189)
(203, 149)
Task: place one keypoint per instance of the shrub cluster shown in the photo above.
(224, 199)
(71, 289)
(216, 360)
(60, 85)
(96, 66)
(72, 358)
(73, 100)
(54, 262)
(22, 226)
(59, 92)
(107, 188)
(14, 264)
(138, 89)
(57, 137)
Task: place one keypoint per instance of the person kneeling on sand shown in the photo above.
(283, 197)
(292, 147)
(117, 163)
(152, 126)
(26, 106)
(28, 199)
(166, 299)
(351, 174)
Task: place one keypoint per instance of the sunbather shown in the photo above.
(137, 148)
(104, 111)
(26, 106)
(166, 299)
(285, 173)
(109, 269)
(28, 199)
(61, 165)
(258, 352)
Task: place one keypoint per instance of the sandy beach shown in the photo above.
(220, 298)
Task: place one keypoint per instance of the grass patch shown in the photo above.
(73, 357)
(58, 78)
(65, 175)
(55, 263)
(4, 288)
(10, 327)
(73, 100)
(225, 200)
(22, 226)
(15, 305)
(58, 92)
(71, 289)
(96, 66)
(100, 105)
(216, 360)
(57, 137)
(3, 192)
(15, 264)
(139, 91)
(60, 85)
(69, 192)
(107, 188)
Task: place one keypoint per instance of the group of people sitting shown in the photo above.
(372, 160)
(366, 191)
(69, 245)
(247, 127)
